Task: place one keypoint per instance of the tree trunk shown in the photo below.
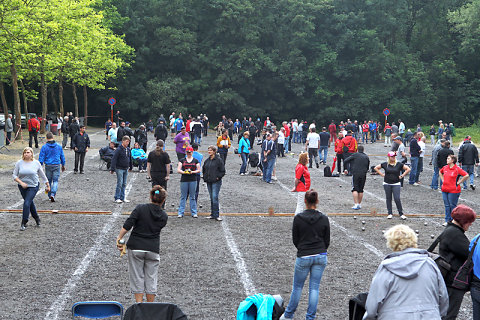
(16, 103)
(60, 95)
(44, 90)
(85, 105)
(75, 99)
(54, 100)
(25, 100)
(4, 100)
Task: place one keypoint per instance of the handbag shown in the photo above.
(442, 263)
(464, 275)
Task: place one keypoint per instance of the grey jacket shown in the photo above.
(8, 125)
(407, 285)
(435, 150)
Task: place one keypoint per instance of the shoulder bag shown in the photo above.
(442, 263)
(464, 275)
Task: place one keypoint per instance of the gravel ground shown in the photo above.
(71, 258)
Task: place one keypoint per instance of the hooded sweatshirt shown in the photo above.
(407, 285)
(147, 221)
(51, 154)
(311, 233)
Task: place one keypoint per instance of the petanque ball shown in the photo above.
(416, 231)
(363, 228)
(173, 204)
(354, 217)
(432, 236)
(88, 179)
(425, 223)
(200, 206)
(363, 222)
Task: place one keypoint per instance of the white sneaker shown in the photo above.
(355, 207)
(118, 201)
(284, 318)
(126, 201)
(416, 184)
(444, 224)
(359, 206)
(403, 217)
(389, 216)
(274, 178)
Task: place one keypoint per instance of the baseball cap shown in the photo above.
(391, 154)
(397, 138)
(189, 149)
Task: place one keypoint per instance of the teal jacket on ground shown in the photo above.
(264, 305)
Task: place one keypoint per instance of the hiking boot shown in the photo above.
(472, 186)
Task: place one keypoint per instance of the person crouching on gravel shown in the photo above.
(143, 245)
(391, 182)
(311, 237)
(302, 181)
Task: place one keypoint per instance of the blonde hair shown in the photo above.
(303, 158)
(394, 163)
(401, 237)
(27, 149)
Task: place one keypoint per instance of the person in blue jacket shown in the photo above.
(139, 155)
(244, 150)
(52, 156)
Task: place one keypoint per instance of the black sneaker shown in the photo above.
(23, 227)
(472, 186)
(52, 199)
(318, 166)
(81, 172)
(38, 222)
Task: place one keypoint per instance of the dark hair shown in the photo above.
(126, 138)
(158, 194)
(311, 197)
(195, 146)
(454, 158)
(49, 135)
(82, 126)
(360, 148)
(224, 131)
(159, 147)
(463, 214)
(447, 143)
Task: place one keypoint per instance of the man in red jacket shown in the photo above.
(332, 129)
(33, 128)
(349, 148)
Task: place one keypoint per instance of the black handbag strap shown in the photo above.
(435, 242)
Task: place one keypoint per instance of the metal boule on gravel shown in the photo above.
(88, 179)
(354, 217)
(425, 223)
(363, 222)
(173, 204)
(432, 236)
(363, 228)
(200, 206)
(416, 231)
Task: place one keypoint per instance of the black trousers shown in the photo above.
(9, 138)
(347, 166)
(252, 140)
(79, 158)
(455, 297)
(339, 162)
(32, 135)
(223, 156)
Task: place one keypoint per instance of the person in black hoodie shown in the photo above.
(143, 245)
(454, 246)
(121, 164)
(311, 237)
(81, 144)
(213, 171)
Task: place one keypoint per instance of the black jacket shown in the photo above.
(122, 159)
(120, 133)
(361, 163)
(106, 153)
(442, 156)
(141, 137)
(161, 132)
(147, 221)
(468, 153)
(81, 142)
(454, 247)
(311, 233)
(64, 127)
(73, 129)
(213, 169)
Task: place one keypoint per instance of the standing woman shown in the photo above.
(302, 181)
(158, 166)
(188, 167)
(454, 247)
(244, 150)
(451, 185)
(26, 173)
(223, 144)
(432, 135)
(311, 237)
(213, 172)
(391, 182)
(143, 245)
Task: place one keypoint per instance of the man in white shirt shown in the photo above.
(295, 131)
(312, 145)
(401, 128)
(422, 145)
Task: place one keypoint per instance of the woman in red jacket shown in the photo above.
(302, 181)
(451, 185)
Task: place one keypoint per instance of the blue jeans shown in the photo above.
(323, 149)
(450, 201)
(28, 206)
(243, 168)
(122, 175)
(314, 266)
(373, 136)
(413, 172)
(286, 144)
(475, 293)
(214, 190)
(53, 173)
(365, 137)
(188, 188)
(470, 169)
(434, 184)
(419, 168)
(268, 169)
(198, 138)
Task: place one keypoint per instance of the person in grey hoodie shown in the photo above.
(8, 129)
(407, 284)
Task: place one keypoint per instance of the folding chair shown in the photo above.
(97, 309)
(154, 311)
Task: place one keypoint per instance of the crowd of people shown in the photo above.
(415, 283)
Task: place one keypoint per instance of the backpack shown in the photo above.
(327, 172)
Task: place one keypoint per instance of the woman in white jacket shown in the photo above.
(407, 284)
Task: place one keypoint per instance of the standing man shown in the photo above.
(121, 164)
(73, 129)
(8, 129)
(295, 131)
(399, 148)
(179, 124)
(365, 128)
(252, 130)
(332, 129)
(468, 159)
(117, 118)
(436, 169)
(286, 144)
(112, 133)
(65, 132)
(52, 156)
(268, 158)
(161, 132)
(373, 131)
(108, 125)
(359, 165)
(141, 137)
(349, 148)
(388, 133)
(80, 144)
(33, 128)
(182, 141)
(414, 158)
(121, 131)
(312, 145)
(197, 129)
(324, 142)
(401, 128)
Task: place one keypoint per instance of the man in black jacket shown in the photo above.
(360, 164)
(141, 137)
(415, 151)
(121, 164)
(161, 132)
(468, 159)
(73, 129)
(443, 154)
(80, 143)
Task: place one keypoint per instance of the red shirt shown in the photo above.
(302, 174)
(33, 123)
(365, 127)
(287, 131)
(351, 143)
(187, 126)
(450, 178)
(332, 128)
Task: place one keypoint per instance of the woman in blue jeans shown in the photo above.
(244, 150)
(449, 175)
(311, 237)
(26, 174)
(188, 167)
